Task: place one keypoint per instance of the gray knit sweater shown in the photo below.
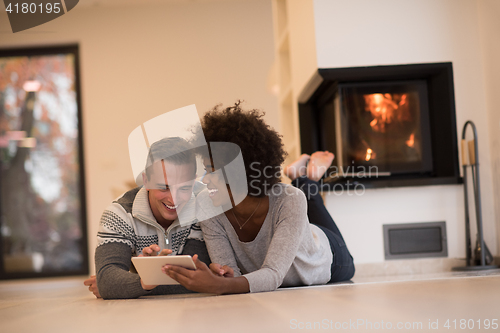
(287, 251)
(126, 227)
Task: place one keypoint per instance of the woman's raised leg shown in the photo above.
(343, 265)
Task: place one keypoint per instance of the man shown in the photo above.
(160, 216)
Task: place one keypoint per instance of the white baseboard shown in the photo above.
(408, 267)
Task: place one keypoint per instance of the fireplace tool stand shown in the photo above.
(482, 256)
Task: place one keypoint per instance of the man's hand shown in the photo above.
(153, 250)
(201, 280)
(219, 270)
(147, 287)
(92, 283)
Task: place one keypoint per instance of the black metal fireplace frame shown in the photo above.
(443, 128)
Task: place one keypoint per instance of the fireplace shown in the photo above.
(387, 125)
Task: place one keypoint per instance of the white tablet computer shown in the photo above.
(149, 268)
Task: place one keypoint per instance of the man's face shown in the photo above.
(169, 188)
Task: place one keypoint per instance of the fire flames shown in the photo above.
(369, 154)
(411, 141)
(386, 108)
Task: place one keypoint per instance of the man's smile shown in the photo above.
(169, 207)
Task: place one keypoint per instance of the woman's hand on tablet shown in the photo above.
(153, 250)
(201, 280)
(220, 270)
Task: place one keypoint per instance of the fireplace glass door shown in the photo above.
(384, 126)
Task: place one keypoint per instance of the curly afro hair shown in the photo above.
(261, 146)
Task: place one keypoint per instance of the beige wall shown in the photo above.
(303, 60)
(385, 32)
(140, 61)
(489, 26)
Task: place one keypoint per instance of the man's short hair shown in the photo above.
(175, 150)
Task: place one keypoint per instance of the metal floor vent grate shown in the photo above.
(415, 240)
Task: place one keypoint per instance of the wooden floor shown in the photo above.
(65, 305)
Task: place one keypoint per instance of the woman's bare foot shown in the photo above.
(318, 164)
(297, 168)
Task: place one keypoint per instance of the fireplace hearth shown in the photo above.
(387, 125)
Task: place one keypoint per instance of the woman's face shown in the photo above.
(216, 185)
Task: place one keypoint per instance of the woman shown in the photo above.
(265, 241)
